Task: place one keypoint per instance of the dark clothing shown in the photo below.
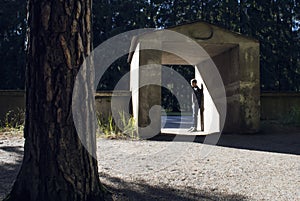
(197, 96)
(197, 103)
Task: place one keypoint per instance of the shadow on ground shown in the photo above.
(14, 149)
(273, 137)
(122, 190)
(9, 171)
(140, 190)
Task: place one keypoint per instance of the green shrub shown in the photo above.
(126, 127)
(14, 119)
(293, 117)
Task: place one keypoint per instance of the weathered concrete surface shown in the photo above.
(278, 106)
(149, 91)
(237, 59)
(103, 101)
(274, 106)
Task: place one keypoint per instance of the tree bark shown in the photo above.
(56, 166)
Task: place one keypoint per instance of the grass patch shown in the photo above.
(122, 128)
(13, 122)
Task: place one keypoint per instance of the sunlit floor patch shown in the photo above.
(182, 131)
(179, 125)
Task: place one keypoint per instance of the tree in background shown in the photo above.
(274, 23)
(12, 44)
(56, 166)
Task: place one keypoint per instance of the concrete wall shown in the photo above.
(104, 106)
(134, 83)
(11, 100)
(277, 106)
(274, 106)
(149, 107)
(228, 66)
(241, 77)
(249, 77)
(211, 114)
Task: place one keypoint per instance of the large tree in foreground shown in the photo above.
(56, 166)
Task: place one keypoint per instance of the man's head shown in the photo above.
(194, 82)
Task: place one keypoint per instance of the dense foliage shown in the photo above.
(12, 44)
(275, 23)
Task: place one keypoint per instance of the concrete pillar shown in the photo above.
(228, 66)
(149, 111)
(211, 114)
(249, 87)
(134, 83)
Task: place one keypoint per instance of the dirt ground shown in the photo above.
(261, 166)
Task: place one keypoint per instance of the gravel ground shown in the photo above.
(11, 155)
(156, 170)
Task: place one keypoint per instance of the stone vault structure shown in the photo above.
(236, 58)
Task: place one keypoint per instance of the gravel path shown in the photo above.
(11, 155)
(155, 170)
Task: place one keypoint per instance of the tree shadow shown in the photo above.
(16, 149)
(131, 191)
(9, 171)
(140, 190)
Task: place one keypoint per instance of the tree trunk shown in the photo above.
(56, 166)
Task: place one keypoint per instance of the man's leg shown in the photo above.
(195, 116)
(202, 119)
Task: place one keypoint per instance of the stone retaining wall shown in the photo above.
(274, 106)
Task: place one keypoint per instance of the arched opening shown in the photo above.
(236, 62)
(178, 120)
(173, 114)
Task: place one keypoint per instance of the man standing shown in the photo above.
(197, 102)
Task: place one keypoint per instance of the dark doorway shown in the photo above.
(173, 114)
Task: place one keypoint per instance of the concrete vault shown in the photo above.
(235, 56)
